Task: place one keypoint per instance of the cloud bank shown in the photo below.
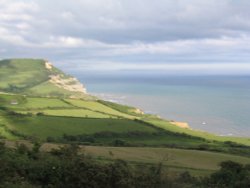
(130, 34)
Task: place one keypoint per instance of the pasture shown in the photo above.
(96, 106)
(45, 126)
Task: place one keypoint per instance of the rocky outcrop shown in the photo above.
(70, 84)
(65, 82)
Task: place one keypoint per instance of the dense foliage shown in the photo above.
(23, 167)
(66, 167)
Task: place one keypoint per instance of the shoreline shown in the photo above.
(183, 125)
(180, 124)
(112, 97)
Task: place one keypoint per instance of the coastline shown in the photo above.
(206, 109)
(208, 124)
(111, 98)
(183, 125)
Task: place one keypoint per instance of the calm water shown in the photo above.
(223, 103)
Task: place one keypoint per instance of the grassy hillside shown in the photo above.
(32, 77)
(19, 74)
(100, 123)
(44, 126)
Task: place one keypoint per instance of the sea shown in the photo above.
(216, 104)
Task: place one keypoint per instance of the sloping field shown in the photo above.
(175, 157)
(55, 118)
(48, 89)
(61, 107)
(37, 103)
(96, 106)
(123, 108)
(44, 126)
(18, 74)
(197, 162)
(76, 113)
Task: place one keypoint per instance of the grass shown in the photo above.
(44, 126)
(18, 74)
(4, 133)
(38, 103)
(48, 89)
(177, 157)
(196, 162)
(6, 99)
(168, 126)
(121, 108)
(61, 112)
(96, 106)
(76, 113)
(131, 139)
(31, 77)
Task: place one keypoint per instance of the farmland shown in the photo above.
(95, 122)
(40, 112)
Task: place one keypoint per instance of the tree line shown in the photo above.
(24, 167)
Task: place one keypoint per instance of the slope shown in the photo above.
(38, 77)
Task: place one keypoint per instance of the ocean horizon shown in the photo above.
(216, 104)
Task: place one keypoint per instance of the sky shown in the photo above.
(169, 36)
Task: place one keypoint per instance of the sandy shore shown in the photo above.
(181, 124)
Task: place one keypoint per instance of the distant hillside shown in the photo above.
(38, 77)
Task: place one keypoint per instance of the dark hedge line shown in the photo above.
(66, 168)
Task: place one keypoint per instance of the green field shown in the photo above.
(38, 103)
(44, 126)
(61, 107)
(174, 160)
(105, 131)
(96, 106)
(198, 163)
(6, 134)
(123, 108)
(50, 117)
(57, 120)
(76, 113)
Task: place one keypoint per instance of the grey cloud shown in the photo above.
(126, 31)
(128, 21)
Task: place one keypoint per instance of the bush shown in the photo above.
(50, 139)
(39, 113)
(67, 167)
(118, 142)
(231, 174)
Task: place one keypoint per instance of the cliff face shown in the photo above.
(68, 83)
(38, 77)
